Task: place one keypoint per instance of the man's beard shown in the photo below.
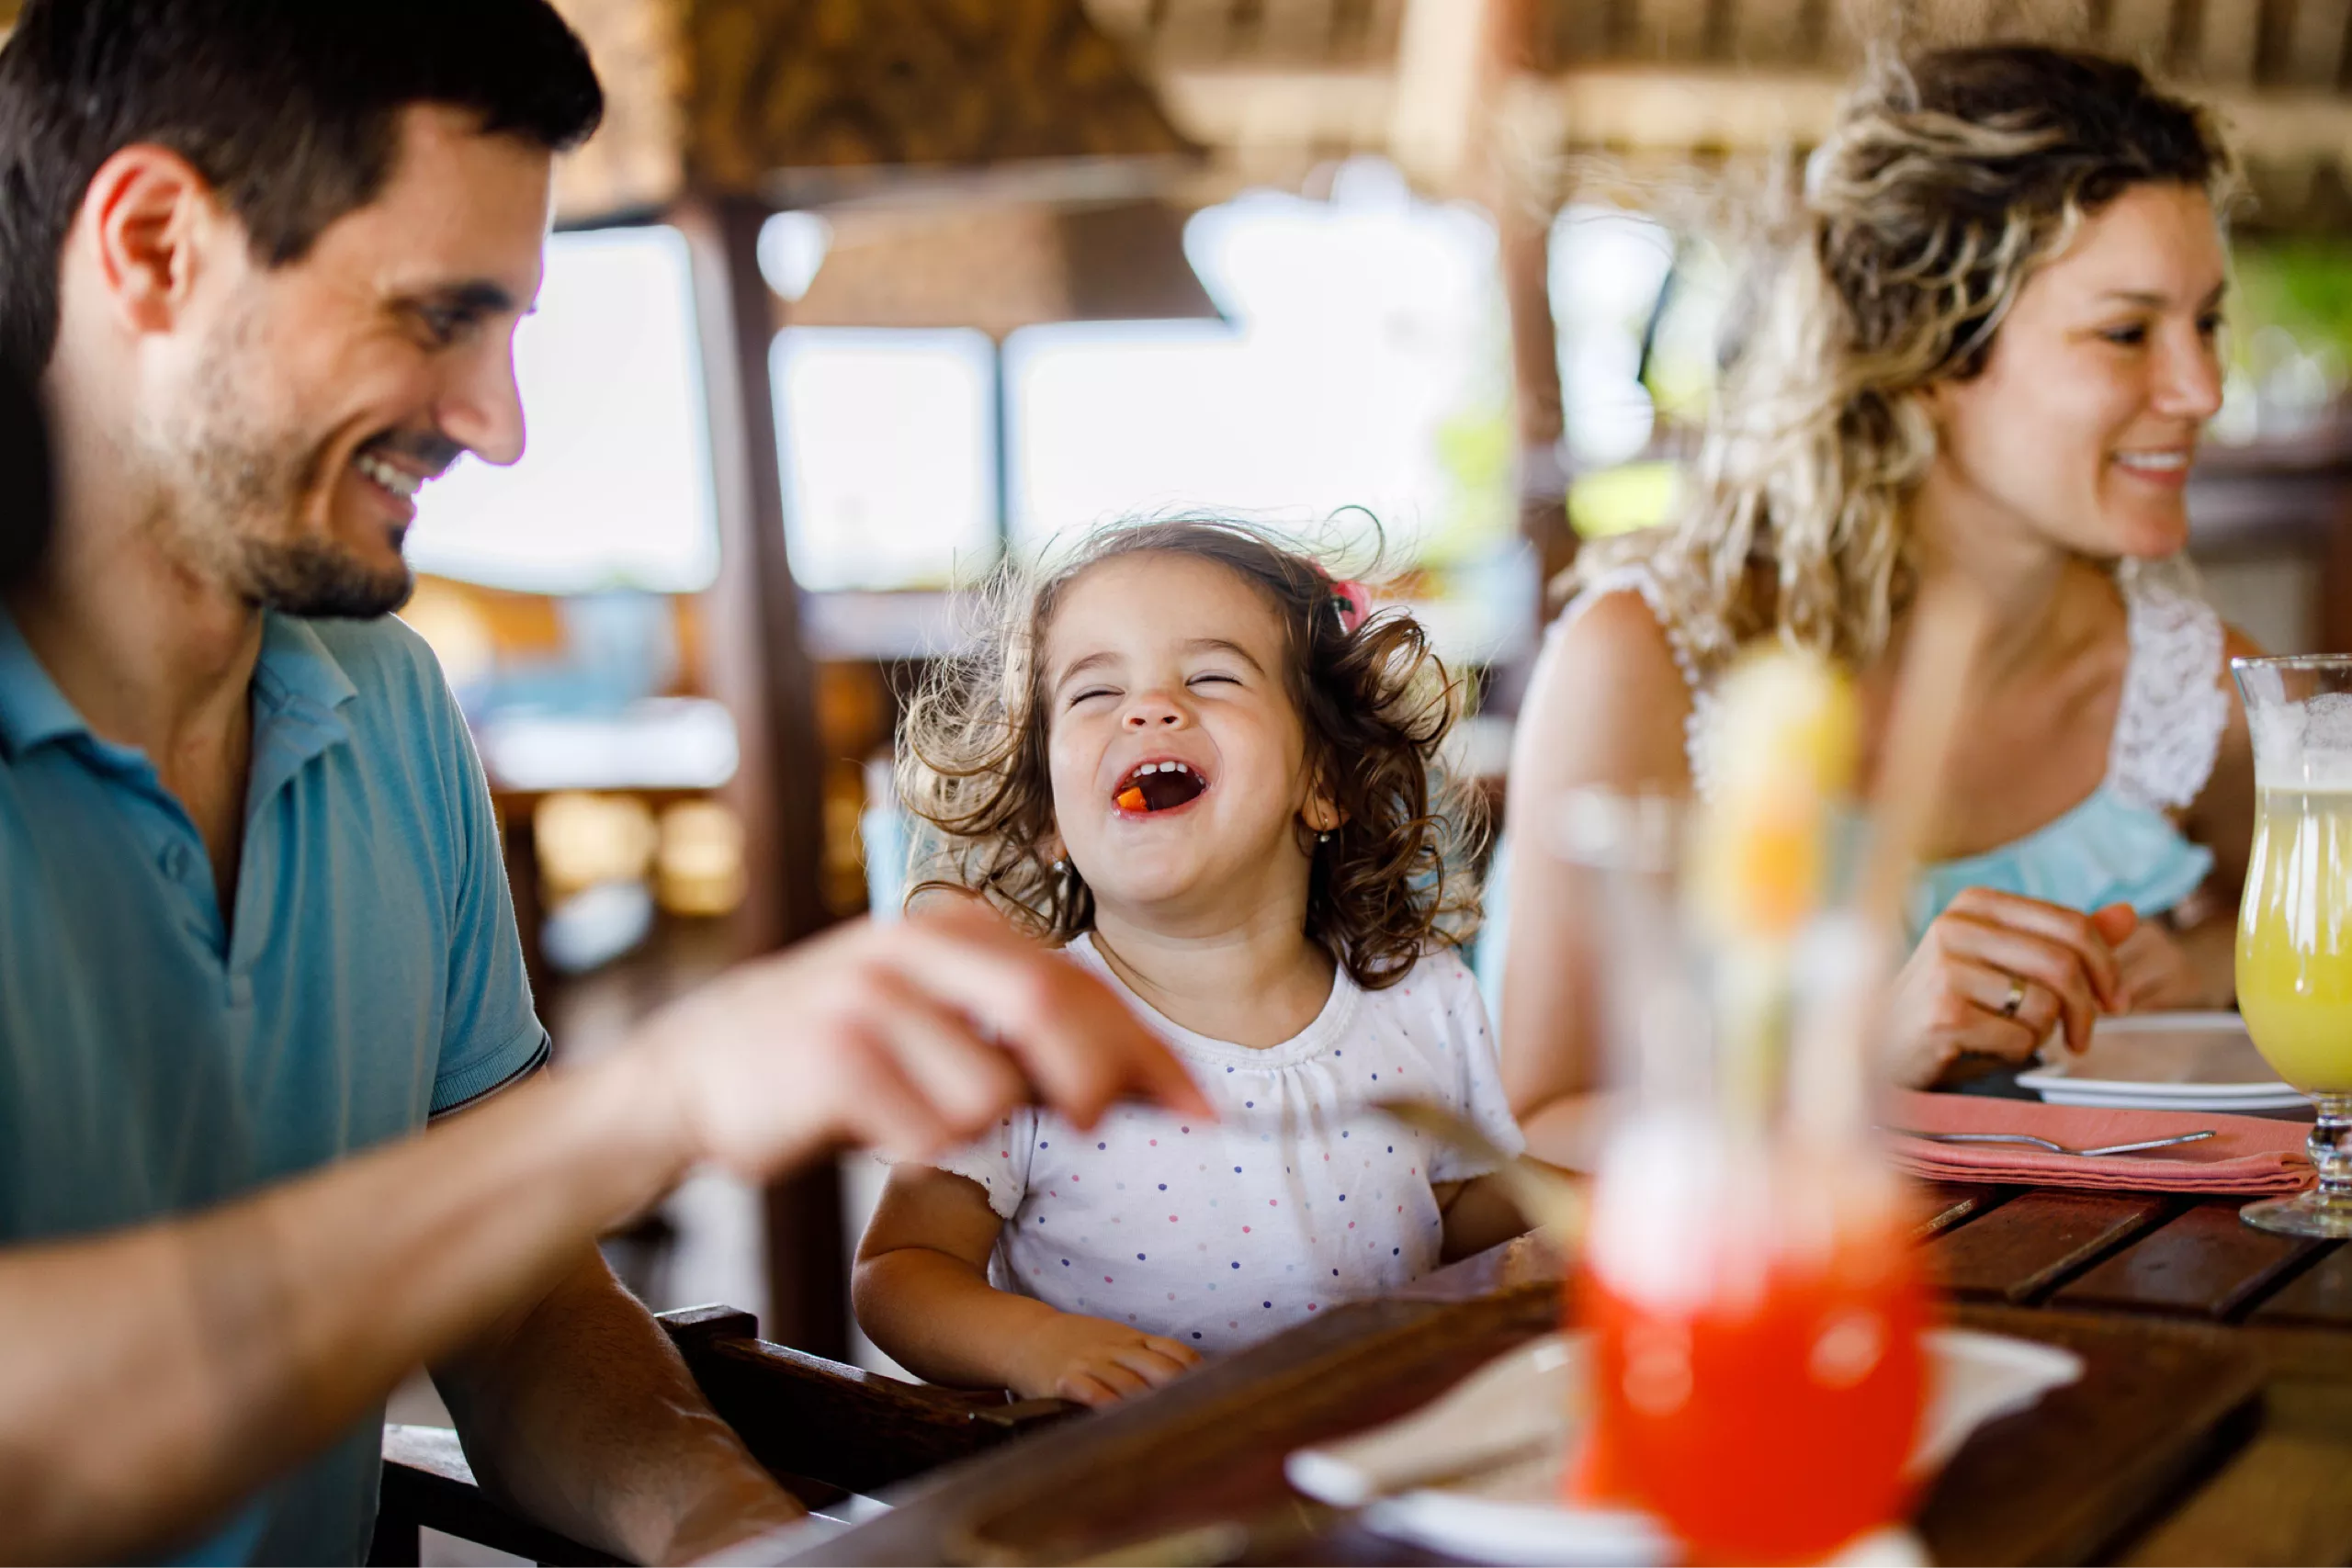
(313, 578)
(240, 491)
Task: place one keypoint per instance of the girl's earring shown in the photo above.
(1061, 867)
(1323, 838)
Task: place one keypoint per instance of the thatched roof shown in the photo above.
(1276, 82)
(798, 100)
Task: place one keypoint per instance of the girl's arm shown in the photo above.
(1479, 1214)
(922, 1295)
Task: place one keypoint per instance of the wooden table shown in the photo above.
(2029, 1260)
(2213, 1424)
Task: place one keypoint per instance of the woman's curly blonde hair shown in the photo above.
(1375, 700)
(1946, 183)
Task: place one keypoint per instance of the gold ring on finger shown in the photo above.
(2016, 998)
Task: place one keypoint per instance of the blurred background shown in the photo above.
(852, 298)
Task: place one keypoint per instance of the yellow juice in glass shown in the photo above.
(2294, 969)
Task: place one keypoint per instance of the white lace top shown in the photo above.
(2119, 845)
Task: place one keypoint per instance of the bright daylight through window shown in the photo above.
(615, 490)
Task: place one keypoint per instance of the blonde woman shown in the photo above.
(1990, 357)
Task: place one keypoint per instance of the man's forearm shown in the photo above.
(149, 1378)
(579, 1411)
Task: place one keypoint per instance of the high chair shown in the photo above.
(824, 1429)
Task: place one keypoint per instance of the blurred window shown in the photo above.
(2288, 349)
(1640, 313)
(615, 490)
(888, 441)
(1367, 366)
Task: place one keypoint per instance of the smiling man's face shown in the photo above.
(292, 438)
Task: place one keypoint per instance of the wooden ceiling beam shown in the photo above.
(2229, 43)
(1770, 32)
(1668, 29)
(2140, 30)
(1640, 108)
(2291, 137)
(1302, 29)
(1254, 112)
(2314, 56)
(636, 161)
(1443, 67)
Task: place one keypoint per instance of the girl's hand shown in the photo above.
(1954, 997)
(1095, 1362)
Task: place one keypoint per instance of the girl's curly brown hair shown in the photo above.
(1376, 703)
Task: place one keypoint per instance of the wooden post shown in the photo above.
(760, 670)
(2333, 623)
(1524, 227)
(1525, 236)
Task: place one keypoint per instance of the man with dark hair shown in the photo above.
(24, 478)
(267, 258)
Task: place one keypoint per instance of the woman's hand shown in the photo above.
(1095, 1362)
(2160, 971)
(1997, 973)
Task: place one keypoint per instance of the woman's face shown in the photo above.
(2080, 429)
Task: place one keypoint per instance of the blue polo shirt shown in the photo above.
(157, 1057)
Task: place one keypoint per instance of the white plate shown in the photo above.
(2092, 1096)
(2164, 1061)
(1501, 1437)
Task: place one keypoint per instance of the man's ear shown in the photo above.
(149, 223)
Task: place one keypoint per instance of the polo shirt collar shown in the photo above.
(295, 674)
(297, 669)
(33, 711)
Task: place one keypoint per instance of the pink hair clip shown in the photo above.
(1353, 602)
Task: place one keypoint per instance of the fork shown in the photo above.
(1543, 1194)
(2046, 1144)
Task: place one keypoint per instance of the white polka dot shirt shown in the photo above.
(1218, 1234)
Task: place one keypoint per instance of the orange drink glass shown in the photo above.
(1759, 1385)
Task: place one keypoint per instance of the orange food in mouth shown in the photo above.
(1158, 786)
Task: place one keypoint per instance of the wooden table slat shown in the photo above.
(2205, 1261)
(2158, 1404)
(2321, 1297)
(2282, 1498)
(2032, 1243)
(1209, 1445)
(1950, 1204)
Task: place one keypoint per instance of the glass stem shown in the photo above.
(2330, 1148)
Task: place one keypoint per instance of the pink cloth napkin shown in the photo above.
(2250, 1155)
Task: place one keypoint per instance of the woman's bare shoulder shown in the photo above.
(1608, 701)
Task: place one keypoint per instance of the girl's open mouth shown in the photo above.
(1156, 786)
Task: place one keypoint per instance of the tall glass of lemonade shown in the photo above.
(2294, 969)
